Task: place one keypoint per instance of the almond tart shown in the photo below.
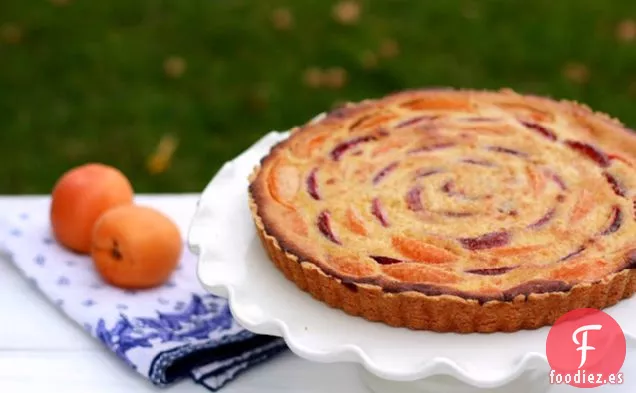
(453, 210)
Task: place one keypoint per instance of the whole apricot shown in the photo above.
(135, 247)
(80, 197)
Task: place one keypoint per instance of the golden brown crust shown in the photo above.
(435, 296)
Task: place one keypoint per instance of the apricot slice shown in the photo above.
(422, 252)
(582, 270)
(80, 197)
(284, 183)
(391, 144)
(371, 121)
(294, 221)
(525, 111)
(306, 147)
(135, 247)
(355, 223)
(584, 204)
(516, 250)
(353, 266)
(537, 180)
(617, 187)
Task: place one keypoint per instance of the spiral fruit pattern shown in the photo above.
(509, 209)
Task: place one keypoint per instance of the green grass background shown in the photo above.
(85, 81)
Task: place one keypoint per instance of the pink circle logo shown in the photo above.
(586, 348)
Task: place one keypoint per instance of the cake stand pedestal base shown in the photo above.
(535, 381)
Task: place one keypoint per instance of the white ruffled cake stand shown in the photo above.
(233, 264)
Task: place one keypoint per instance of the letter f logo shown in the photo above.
(583, 344)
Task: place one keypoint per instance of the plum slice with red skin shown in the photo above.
(438, 146)
(572, 254)
(312, 184)
(557, 180)
(495, 271)
(415, 120)
(486, 241)
(506, 150)
(590, 151)
(613, 182)
(424, 172)
(543, 220)
(616, 220)
(324, 225)
(386, 260)
(413, 200)
(540, 129)
(384, 172)
(630, 260)
(378, 211)
(370, 120)
(343, 147)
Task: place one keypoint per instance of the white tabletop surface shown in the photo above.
(40, 350)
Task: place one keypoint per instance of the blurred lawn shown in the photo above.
(84, 80)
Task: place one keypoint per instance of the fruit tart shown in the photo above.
(453, 210)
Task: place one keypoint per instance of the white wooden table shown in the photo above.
(40, 350)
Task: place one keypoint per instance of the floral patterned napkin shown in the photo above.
(166, 334)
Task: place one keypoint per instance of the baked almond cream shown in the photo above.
(454, 210)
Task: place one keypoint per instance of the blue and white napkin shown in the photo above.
(166, 334)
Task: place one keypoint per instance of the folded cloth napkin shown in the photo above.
(166, 334)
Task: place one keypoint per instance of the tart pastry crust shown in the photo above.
(453, 210)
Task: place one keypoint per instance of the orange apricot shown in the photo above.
(135, 247)
(80, 197)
